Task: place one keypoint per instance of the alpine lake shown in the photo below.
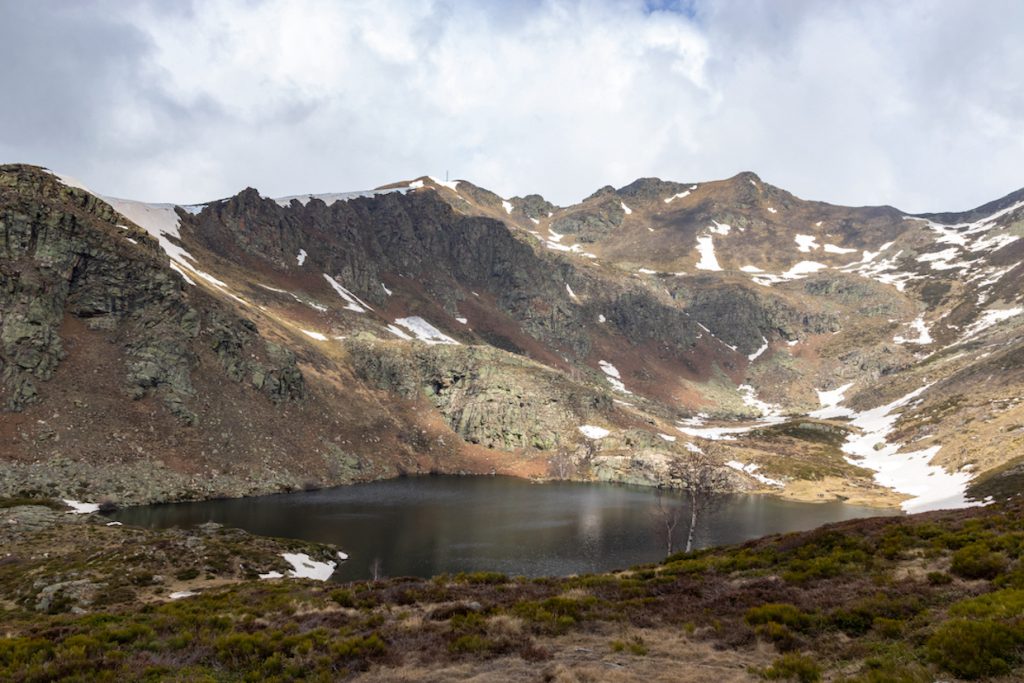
(425, 526)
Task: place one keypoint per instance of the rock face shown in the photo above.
(487, 397)
(66, 253)
(436, 326)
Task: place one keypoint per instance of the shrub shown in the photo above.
(974, 649)
(779, 613)
(853, 622)
(343, 598)
(939, 579)
(482, 578)
(888, 628)
(471, 643)
(360, 647)
(976, 561)
(793, 667)
(1004, 604)
(779, 635)
(635, 646)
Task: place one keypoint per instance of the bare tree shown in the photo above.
(375, 569)
(666, 516)
(703, 477)
(561, 465)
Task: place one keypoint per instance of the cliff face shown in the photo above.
(435, 326)
(68, 254)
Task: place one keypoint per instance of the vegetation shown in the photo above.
(913, 599)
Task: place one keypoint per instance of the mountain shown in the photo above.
(158, 352)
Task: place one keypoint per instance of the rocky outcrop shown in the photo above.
(67, 253)
(487, 396)
(594, 222)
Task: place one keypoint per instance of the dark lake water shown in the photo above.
(422, 526)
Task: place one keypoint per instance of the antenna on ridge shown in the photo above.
(446, 175)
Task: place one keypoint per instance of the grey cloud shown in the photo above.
(917, 104)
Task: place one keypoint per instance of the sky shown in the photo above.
(915, 104)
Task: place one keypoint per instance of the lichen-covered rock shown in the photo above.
(63, 252)
(488, 397)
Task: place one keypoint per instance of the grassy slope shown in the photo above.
(896, 599)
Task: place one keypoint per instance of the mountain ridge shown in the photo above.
(670, 304)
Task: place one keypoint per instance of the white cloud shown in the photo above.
(912, 104)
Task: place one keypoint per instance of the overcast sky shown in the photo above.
(915, 104)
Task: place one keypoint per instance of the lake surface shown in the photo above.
(422, 526)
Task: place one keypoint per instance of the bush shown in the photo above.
(486, 578)
(976, 561)
(1004, 604)
(793, 667)
(778, 635)
(779, 613)
(974, 649)
(853, 622)
(635, 646)
(471, 643)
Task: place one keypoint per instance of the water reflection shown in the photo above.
(430, 525)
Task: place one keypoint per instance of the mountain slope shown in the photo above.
(429, 326)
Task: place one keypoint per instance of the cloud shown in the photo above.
(915, 104)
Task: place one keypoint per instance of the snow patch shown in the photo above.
(833, 249)
(751, 471)
(593, 431)
(300, 258)
(78, 508)
(272, 575)
(572, 294)
(667, 437)
(680, 195)
(613, 376)
(830, 401)
(303, 567)
(330, 198)
(399, 332)
(988, 319)
(424, 331)
(806, 243)
(706, 249)
(756, 354)
(507, 205)
(68, 180)
(923, 336)
(354, 303)
(931, 487)
(314, 335)
(802, 269)
(178, 595)
(720, 228)
(625, 208)
(450, 184)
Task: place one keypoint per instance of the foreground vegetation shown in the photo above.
(889, 599)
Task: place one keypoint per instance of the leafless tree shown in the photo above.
(704, 478)
(561, 465)
(375, 569)
(666, 515)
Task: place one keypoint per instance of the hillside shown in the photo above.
(158, 352)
